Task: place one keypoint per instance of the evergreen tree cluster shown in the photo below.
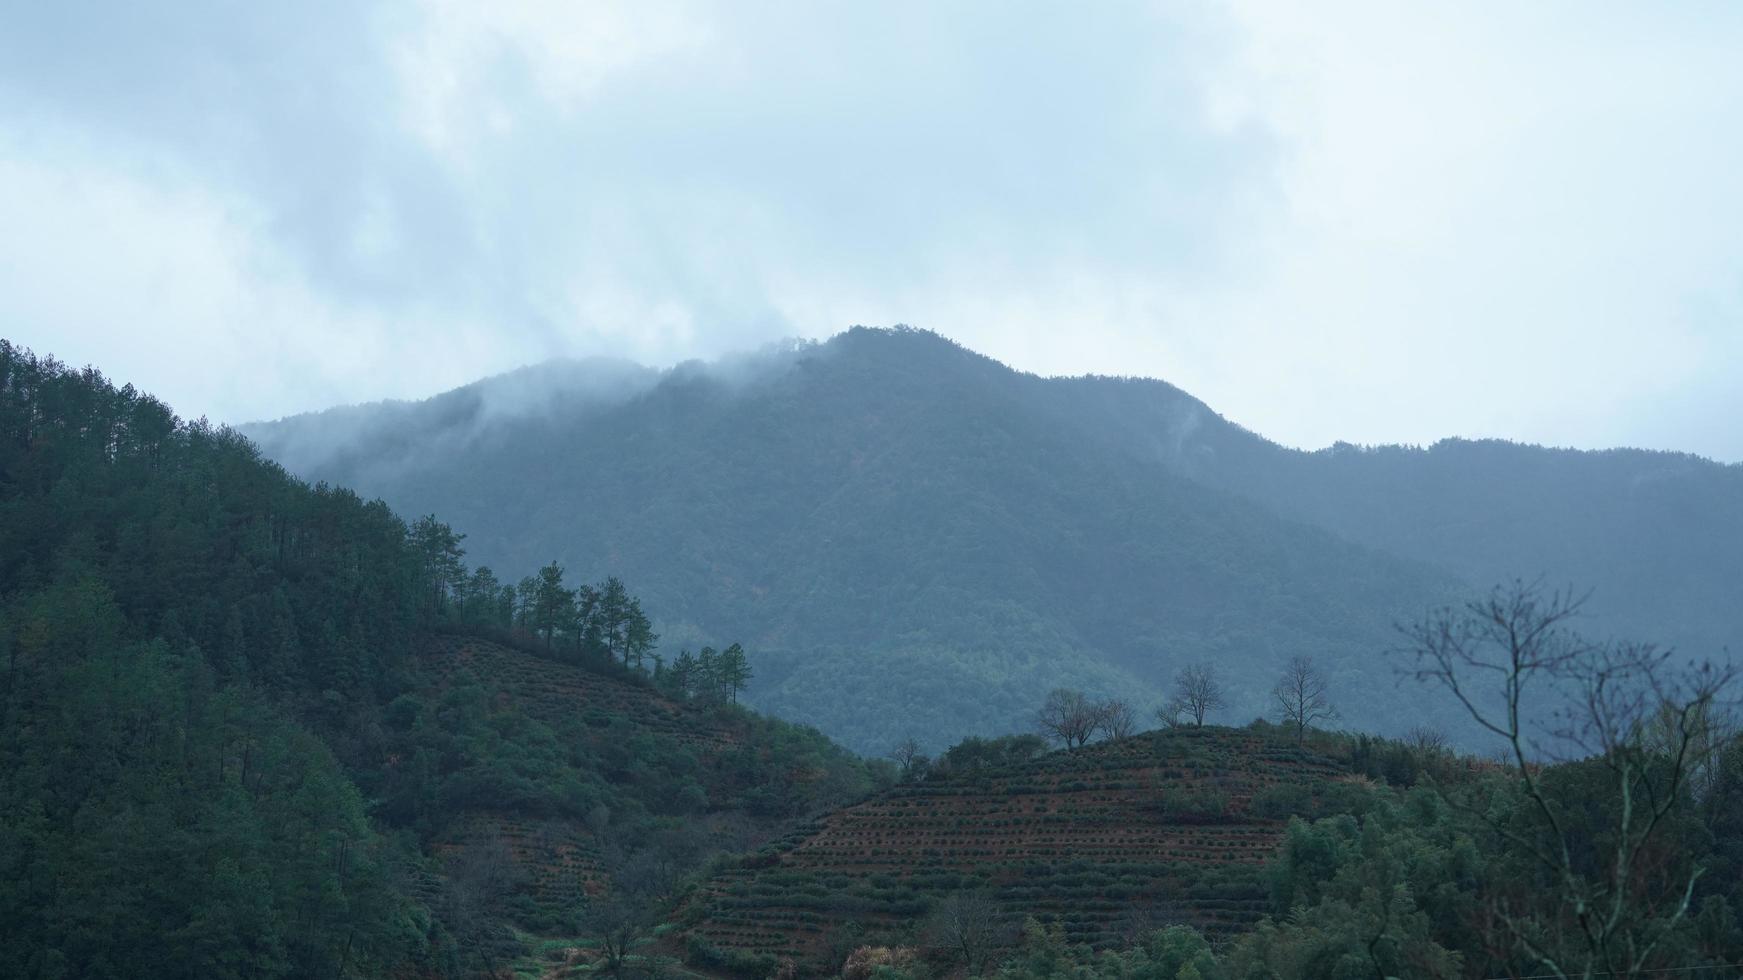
(179, 620)
(709, 675)
(601, 622)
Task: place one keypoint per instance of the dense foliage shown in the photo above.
(227, 745)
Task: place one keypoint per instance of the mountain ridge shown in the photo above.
(891, 504)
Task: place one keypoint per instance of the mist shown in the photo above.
(1333, 227)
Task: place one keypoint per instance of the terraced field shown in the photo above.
(555, 860)
(555, 692)
(1157, 826)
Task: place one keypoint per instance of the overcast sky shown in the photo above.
(1372, 222)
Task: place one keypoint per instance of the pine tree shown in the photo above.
(613, 616)
(553, 605)
(639, 636)
(682, 677)
(588, 632)
(439, 553)
(735, 671)
(526, 594)
(708, 674)
(479, 598)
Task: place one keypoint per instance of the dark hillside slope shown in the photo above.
(545, 767)
(242, 733)
(910, 536)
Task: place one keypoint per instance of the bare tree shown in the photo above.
(1197, 693)
(1630, 710)
(1117, 719)
(1069, 717)
(1714, 732)
(1169, 713)
(969, 925)
(620, 916)
(617, 920)
(1302, 698)
(640, 883)
(907, 754)
(479, 877)
(1426, 741)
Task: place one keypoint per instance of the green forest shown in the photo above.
(221, 750)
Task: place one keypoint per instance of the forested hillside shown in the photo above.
(254, 728)
(1653, 535)
(890, 515)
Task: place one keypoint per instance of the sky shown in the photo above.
(1370, 222)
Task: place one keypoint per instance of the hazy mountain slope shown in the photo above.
(1656, 536)
(909, 536)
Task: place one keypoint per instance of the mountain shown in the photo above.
(891, 514)
(1654, 536)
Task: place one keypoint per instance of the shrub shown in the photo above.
(1192, 805)
(1282, 801)
(880, 962)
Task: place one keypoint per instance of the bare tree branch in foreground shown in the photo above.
(1523, 675)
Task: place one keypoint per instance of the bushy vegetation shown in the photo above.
(156, 821)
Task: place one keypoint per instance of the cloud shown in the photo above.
(472, 72)
(1498, 220)
(1360, 221)
(180, 289)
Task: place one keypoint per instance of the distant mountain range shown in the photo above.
(913, 539)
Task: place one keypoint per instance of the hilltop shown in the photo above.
(891, 515)
(1107, 841)
(551, 778)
